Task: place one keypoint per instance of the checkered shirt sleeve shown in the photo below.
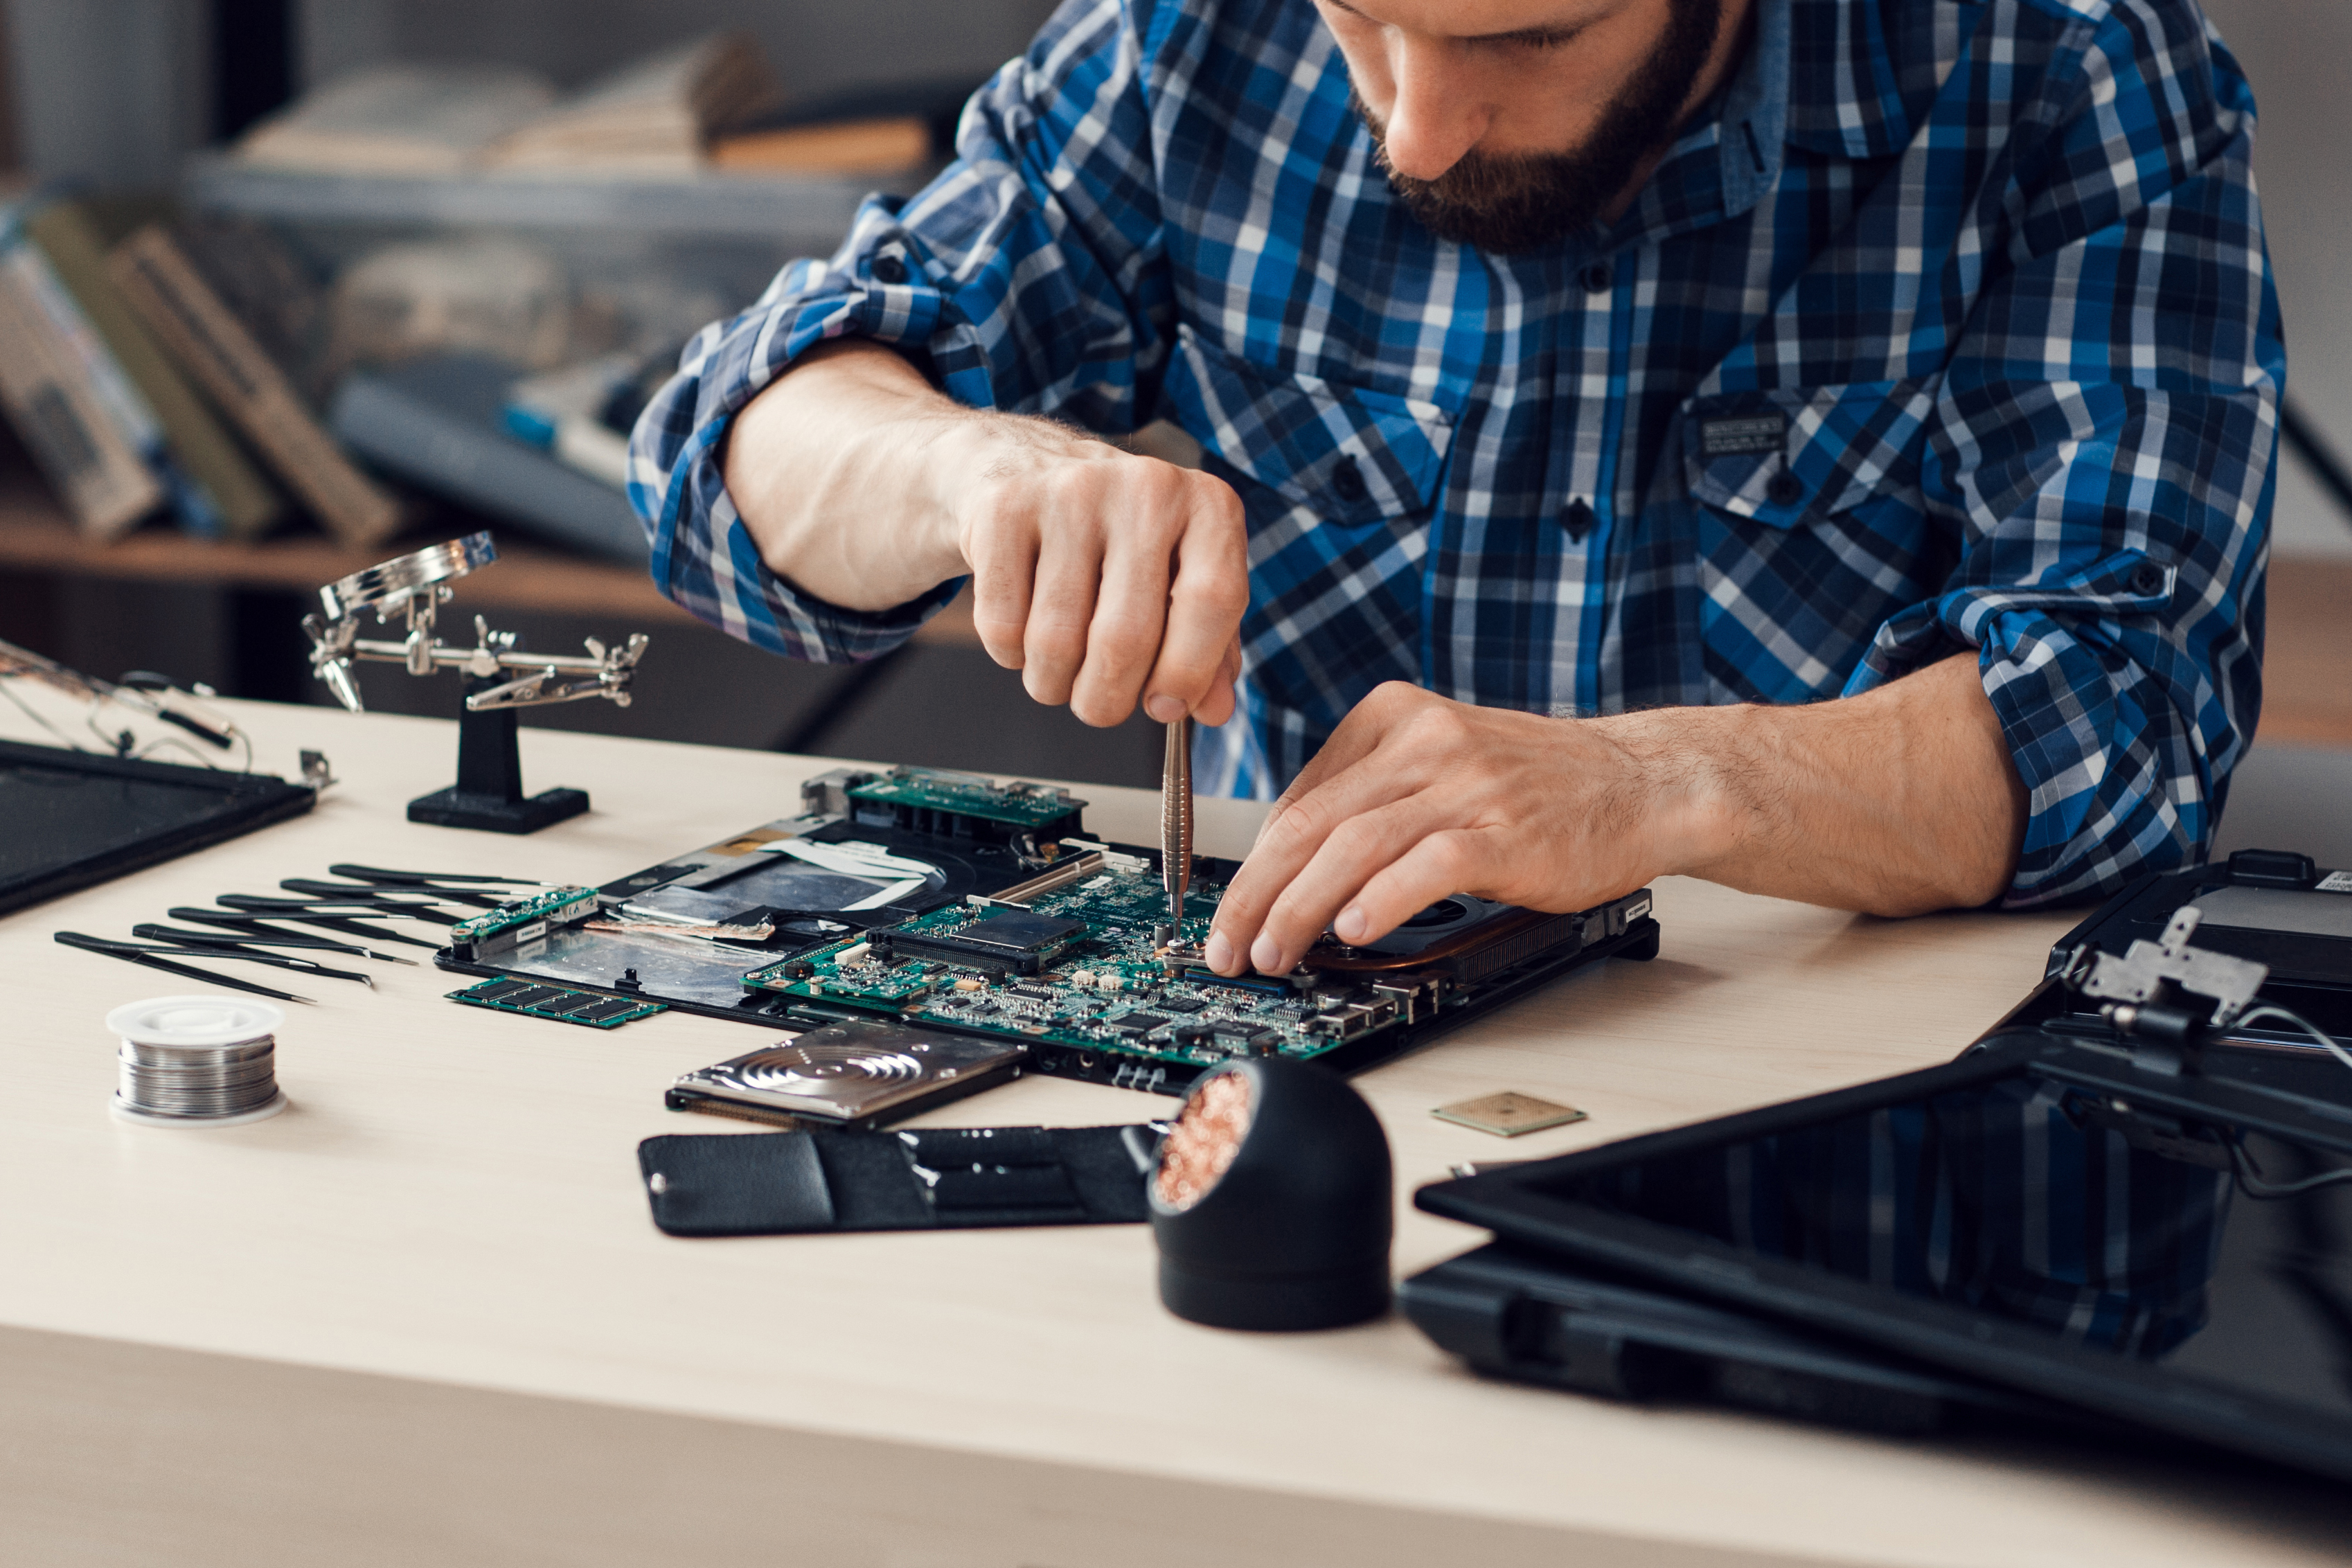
(1022, 279)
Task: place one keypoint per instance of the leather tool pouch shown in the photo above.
(782, 1184)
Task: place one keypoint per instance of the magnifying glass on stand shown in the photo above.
(500, 677)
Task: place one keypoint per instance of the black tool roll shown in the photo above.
(945, 1178)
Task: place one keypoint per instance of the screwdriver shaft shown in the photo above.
(1176, 819)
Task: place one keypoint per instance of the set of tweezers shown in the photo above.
(253, 928)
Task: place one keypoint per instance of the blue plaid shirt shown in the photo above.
(1947, 325)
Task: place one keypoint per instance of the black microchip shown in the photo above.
(564, 1006)
(604, 1007)
(1138, 1023)
(1183, 1004)
(500, 990)
(1031, 993)
(1234, 1031)
(1257, 987)
(534, 997)
(1020, 930)
(1010, 941)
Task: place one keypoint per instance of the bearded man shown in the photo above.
(1822, 446)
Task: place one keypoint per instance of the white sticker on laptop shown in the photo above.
(2336, 882)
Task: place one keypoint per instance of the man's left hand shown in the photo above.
(1417, 796)
(1896, 802)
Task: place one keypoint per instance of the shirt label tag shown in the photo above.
(1748, 433)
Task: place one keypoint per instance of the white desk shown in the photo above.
(424, 1316)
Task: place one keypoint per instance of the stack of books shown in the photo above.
(181, 371)
(710, 104)
(128, 370)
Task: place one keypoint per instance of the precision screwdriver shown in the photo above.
(1176, 822)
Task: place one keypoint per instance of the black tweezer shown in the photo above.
(277, 961)
(245, 920)
(373, 908)
(147, 960)
(376, 892)
(378, 874)
(263, 937)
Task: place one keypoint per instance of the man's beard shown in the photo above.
(1519, 202)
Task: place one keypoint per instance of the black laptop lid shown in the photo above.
(2045, 1216)
(68, 818)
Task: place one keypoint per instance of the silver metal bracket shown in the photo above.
(2146, 968)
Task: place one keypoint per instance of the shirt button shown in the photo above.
(1348, 482)
(1784, 489)
(2149, 578)
(1578, 518)
(1597, 276)
(889, 270)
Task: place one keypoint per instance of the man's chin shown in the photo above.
(1514, 228)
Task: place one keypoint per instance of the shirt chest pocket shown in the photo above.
(1785, 457)
(1350, 453)
(1810, 530)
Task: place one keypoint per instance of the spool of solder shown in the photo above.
(196, 1061)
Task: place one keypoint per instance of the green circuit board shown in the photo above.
(594, 1008)
(516, 916)
(1098, 979)
(1017, 804)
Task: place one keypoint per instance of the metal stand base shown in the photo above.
(489, 794)
(455, 807)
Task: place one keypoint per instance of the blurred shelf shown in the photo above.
(2307, 662)
(37, 537)
(763, 207)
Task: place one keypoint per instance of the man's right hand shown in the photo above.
(1108, 579)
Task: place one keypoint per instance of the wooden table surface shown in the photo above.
(423, 1315)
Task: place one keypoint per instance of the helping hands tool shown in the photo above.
(500, 678)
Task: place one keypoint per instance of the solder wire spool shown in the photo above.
(196, 1061)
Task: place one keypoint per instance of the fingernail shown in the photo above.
(1219, 952)
(1164, 708)
(1352, 925)
(1267, 955)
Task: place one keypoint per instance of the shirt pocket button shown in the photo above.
(1784, 489)
(1347, 482)
(889, 270)
(1597, 278)
(2148, 578)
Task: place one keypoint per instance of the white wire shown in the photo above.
(36, 715)
(2242, 1163)
(2326, 1042)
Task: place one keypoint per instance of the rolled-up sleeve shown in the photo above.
(2104, 442)
(1029, 276)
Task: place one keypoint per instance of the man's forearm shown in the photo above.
(1106, 578)
(829, 469)
(1898, 802)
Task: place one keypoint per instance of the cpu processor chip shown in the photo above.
(1507, 1114)
(1014, 942)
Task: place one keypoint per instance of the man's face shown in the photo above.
(1510, 124)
